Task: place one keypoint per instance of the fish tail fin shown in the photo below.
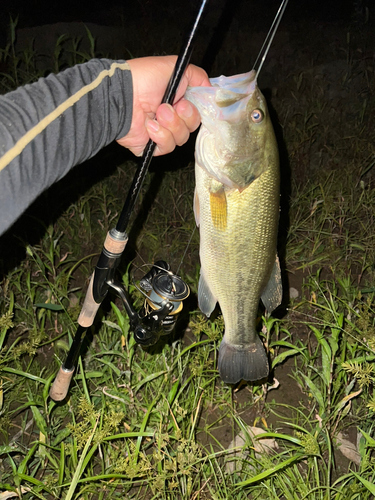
(246, 362)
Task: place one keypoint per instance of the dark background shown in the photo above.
(156, 27)
(255, 14)
(110, 12)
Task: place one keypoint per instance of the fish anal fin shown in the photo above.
(273, 293)
(218, 206)
(247, 362)
(206, 299)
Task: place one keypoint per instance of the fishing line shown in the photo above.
(186, 249)
(270, 36)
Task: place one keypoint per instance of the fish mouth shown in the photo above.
(228, 103)
(244, 83)
(228, 137)
(226, 91)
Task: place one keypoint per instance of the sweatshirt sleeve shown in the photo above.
(50, 126)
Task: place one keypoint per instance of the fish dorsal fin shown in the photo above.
(206, 299)
(218, 207)
(273, 293)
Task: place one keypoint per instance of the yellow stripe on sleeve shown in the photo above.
(47, 120)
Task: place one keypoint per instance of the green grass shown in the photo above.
(158, 424)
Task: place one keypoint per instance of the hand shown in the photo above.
(166, 125)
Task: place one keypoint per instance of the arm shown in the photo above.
(60, 121)
(50, 126)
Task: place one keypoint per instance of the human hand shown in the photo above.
(166, 125)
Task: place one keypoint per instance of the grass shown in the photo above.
(159, 423)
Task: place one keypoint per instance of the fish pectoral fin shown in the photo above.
(206, 300)
(196, 208)
(218, 206)
(273, 293)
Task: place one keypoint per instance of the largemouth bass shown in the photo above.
(236, 206)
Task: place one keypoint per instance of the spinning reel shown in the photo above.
(165, 292)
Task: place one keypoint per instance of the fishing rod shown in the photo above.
(164, 290)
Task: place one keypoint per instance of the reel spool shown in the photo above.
(163, 288)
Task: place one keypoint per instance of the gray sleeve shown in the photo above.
(50, 126)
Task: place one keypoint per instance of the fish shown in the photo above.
(236, 207)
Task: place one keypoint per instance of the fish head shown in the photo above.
(236, 141)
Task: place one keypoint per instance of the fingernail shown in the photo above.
(167, 112)
(152, 125)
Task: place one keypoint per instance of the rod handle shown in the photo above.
(89, 308)
(60, 386)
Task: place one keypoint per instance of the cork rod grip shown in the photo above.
(60, 387)
(114, 245)
(89, 308)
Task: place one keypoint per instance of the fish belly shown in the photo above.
(236, 264)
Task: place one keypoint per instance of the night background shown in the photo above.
(153, 26)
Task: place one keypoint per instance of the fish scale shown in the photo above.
(246, 256)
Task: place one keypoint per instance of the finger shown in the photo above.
(189, 114)
(135, 143)
(137, 150)
(161, 136)
(194, 76)
(169, 119)
(197, 77)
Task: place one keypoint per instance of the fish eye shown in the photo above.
(257, 115)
